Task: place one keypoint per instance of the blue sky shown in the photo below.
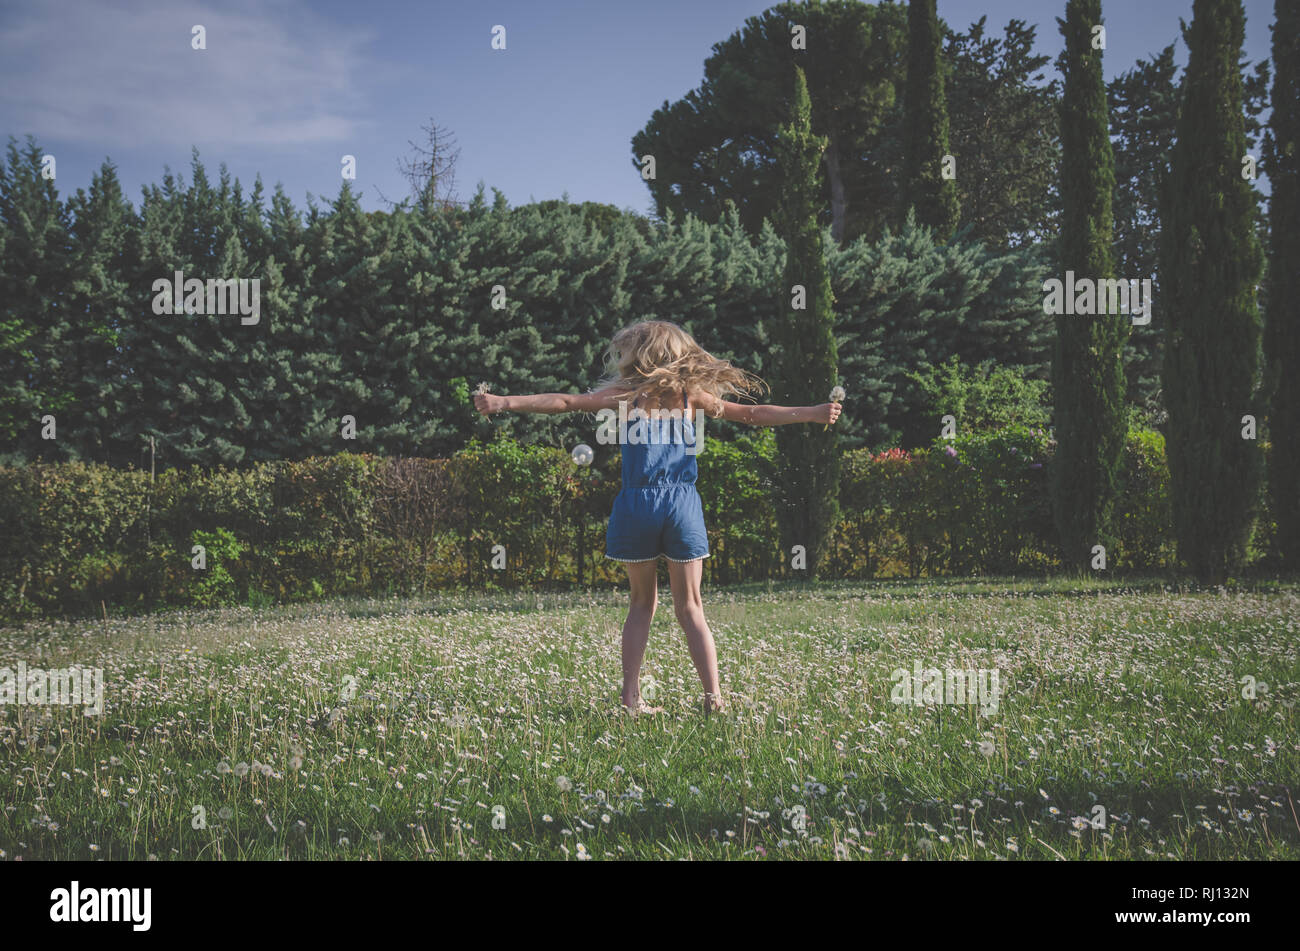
(287, 87)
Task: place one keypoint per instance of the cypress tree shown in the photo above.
(1282, 331)
(1210, 263)
(926, 131)
(1087, 363)
(1143, 119)
(805, 363)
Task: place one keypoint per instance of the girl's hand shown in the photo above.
(826, 413)
(489, 403)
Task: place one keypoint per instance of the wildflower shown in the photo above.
(837, 396)
(986, 747)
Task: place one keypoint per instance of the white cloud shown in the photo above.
(108, 73)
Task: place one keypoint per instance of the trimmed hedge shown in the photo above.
(79, 535)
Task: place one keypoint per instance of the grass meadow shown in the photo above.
(487, 726)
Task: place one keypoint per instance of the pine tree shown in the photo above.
(99, 306)
(1087, 364)
(188, 370)
(906, 303)
(33, 318)
(926, 134)
(1210, 263)
(1282, 331)
(806, 361)
(1003, 129)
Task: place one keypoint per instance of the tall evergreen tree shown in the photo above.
(906, 302)
(1210, 263)
(189, 369)
(1144, 105)
(1004, 130)
(1087, 365)
(1282, 330)
(926, 134)
(33, 319)
(807, 475)
(99, 305)
(719, 141)
(1143, 118)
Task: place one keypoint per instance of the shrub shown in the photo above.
(735, 489)
(1143, 520)
(981, 398)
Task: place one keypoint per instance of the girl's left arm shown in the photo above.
(551, 403)
(767, 414)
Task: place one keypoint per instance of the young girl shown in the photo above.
(658, 366)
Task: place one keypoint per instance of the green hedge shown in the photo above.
(87, 538)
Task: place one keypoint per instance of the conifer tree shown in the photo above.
(32, 318)
(1210, 263)
(805, 370)
(99, 305)
(1282, 331)
(926, 132)
(1087, 364)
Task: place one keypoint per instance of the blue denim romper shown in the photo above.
(658, 511)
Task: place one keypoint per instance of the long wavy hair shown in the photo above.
(658, 360)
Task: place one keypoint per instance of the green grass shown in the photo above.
(1127, 697)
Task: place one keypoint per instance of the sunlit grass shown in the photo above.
(375, 729)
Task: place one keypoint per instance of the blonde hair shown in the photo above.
(659, 360)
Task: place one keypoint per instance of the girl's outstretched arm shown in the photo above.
(489, 403)
(766, 414)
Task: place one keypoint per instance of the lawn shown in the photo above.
(482, 726)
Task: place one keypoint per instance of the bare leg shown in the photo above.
(685, 580)
(642, 577)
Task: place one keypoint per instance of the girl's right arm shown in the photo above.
(489, 403)
(766, 414)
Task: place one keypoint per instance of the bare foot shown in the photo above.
(713, 704)
(641, 707)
